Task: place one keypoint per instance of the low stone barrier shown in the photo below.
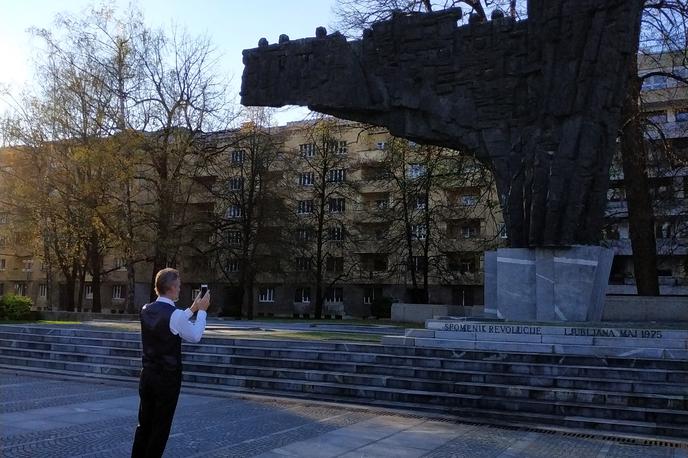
(84, 316)
(535, 338)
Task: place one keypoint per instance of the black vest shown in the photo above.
(162, 350)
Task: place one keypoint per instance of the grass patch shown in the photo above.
(371, 323)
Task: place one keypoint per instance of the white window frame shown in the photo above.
(336, 293)
(43, 290)
(336, 205)
(3, 264)
(419, 231)
(305, 298)
(336, 176)
(21, 289)
(118, 293)
(233, 265)
(234, 211)
(304, 207)
(307, 149)
(238, 156)
(88, 291)
(306, 178)
(266, 295)
(416, 170)
(236, 183)
(234, 237)
(468, 200)
(28, 265)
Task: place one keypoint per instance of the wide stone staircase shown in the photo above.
(632, 395)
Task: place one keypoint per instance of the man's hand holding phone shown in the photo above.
(201, 302)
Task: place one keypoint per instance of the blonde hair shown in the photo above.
(164, 279)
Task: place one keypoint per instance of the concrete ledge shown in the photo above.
(662, 309)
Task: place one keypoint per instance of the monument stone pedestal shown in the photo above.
(547, 284)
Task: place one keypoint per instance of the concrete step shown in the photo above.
(386, 395)
(482, 415)
(372, 353)
(676, 351)
(105, 355)
(127, 339)
(382, 364)
(610, 393)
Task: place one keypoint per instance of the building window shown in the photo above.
(336, 175)
(233, 265)
(419, 231)
(4, 218)
(118, 293)
(2, 289)
(343, 148)
(303, 263)
(336, 205)
(266, 295)
(420, 202)
(304, 207)
(238, 156)
(234, 237)
(43, 290)
(501, 231)
(306, 178)
(419, 263)
(307, 149)
(655, 82)
(302, 295)
(303, 234)
(468, 200)
(381, 204)
(88, 292)
(234, 211)
(28, 265)
(334, 295)
(657, 117)
(681, 115)
(470, 230)
(335, 233)
(416, 170)
(334, 264)
(664, 230)
(371, 293)
(3, 263)
(121, 264)
(3, 240)
(236, 183)
(21, 289)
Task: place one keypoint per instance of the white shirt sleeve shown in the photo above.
(180, 324)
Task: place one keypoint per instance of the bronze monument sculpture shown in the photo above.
(539, 101)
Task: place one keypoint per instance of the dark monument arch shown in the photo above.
(539, 101)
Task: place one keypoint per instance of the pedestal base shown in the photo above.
(547, 284)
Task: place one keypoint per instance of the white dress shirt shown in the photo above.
(180, 324)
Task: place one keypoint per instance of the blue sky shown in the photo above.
(233, 25)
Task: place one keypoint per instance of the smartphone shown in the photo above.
(204, 289)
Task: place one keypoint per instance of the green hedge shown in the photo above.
(15, 307)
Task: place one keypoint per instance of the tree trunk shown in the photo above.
(131, 285)
(96, 306)
(640, 212)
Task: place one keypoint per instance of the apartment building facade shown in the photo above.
(354, 215)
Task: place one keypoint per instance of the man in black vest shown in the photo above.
(162, 329)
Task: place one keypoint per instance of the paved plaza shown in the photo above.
(49, 417)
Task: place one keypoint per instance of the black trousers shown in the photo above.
(158, 392)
